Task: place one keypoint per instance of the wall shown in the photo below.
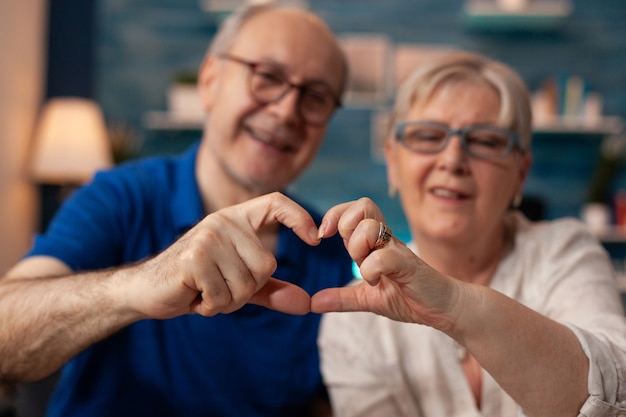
(142, 44)
(22, 42)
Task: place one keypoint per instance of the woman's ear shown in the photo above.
(207, 81)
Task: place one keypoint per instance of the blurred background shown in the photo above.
(129, 67)
(145, 48)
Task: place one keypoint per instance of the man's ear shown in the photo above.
(207, 81)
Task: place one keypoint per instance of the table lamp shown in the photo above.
(71, 142)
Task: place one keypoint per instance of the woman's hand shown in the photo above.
(396, 282)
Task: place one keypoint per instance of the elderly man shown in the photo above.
(162, 286)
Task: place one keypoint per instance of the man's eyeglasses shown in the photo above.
(478, 141)
(268, 84)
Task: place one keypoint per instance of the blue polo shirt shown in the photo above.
(253, 362)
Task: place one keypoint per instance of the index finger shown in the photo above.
(278, 208)
(345, 217)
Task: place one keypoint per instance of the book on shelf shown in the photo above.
(567, 98)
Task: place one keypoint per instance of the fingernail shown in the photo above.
(321, 230)
(316, 234)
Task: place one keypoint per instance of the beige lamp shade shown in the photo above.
(71, 142)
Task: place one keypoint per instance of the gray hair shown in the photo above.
(515, 110)
(229, 29)
(231, 26)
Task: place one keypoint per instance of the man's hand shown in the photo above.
(221, 264)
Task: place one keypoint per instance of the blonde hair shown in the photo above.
(460, 67)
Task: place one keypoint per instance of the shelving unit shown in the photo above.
(603, 126)
(612, 234)
(608, 125)
(600, 129)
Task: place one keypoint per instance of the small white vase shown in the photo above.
(183, 102)
(597, 216)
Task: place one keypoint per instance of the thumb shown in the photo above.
(337, 299)
(283, 296)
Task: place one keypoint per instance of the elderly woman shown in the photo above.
(515, 318)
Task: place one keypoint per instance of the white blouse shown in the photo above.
(374, 366)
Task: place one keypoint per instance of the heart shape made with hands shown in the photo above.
(278, 208)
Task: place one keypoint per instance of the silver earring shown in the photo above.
(517, 201)
(392, 191)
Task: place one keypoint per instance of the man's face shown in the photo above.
(264, 147)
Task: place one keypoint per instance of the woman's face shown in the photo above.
(451, 195)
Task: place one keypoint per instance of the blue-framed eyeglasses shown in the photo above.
(478, 141)
(268, 84)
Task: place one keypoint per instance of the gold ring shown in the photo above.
(384, 236)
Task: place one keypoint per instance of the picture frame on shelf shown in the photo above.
(409, 56)
(368, 55)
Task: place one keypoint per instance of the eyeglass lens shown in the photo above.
(479, 141)
(315, 103)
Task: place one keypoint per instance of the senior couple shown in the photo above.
(190, 286)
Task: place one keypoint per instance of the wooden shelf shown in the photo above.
(223, 8)
(604, 126)
(612, 234)
(162, 120)
(537, 15)
(609, 125)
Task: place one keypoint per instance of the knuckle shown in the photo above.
(214, 301)
(264, 268)
(195, 254)
(365, 201)
(275, 197)
(208, 310)
(244, 286)
(248, 288)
